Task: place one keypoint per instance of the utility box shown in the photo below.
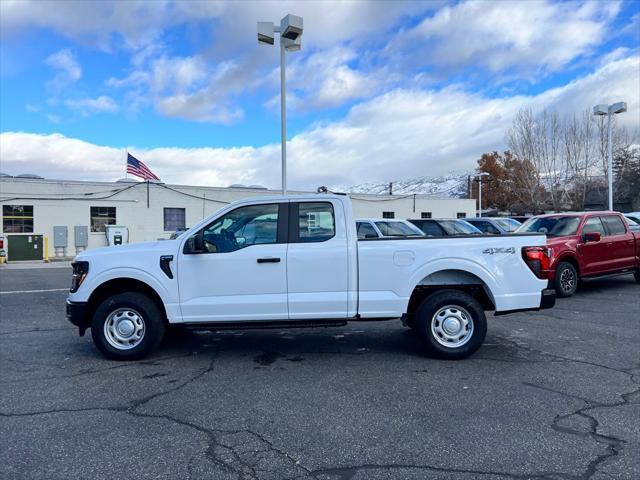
(117, 235)
(81, 237)
(60, 240)
(24, 247)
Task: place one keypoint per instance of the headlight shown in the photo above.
(80, 270)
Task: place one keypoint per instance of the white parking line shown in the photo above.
(36, 291)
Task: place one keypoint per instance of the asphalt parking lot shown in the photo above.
(552, 394)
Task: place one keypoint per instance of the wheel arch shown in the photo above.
(118, 285)
(569, 258)
(451, 279)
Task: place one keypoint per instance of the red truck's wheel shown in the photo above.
(566, 281)
(636, 274)
(127, 326)
(451, 323)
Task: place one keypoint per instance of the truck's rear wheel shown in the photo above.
(127, 326)
(451, 324)
(566, 281)
(636, 275)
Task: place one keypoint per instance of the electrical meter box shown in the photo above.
(117, 235)
(81, 236)
(60, 236)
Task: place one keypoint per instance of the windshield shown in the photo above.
(508, 224)
(458, 227)
(552, 226)
(398, 229)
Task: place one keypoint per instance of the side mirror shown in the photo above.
(195, 244)
(370, 235)
(591, 237)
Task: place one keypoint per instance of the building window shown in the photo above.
(461, 215)
(425, 215)
(17, 218)
(101, 217)
(174, 219)
(388, 215)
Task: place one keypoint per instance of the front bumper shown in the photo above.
(77, 314)
(547, 300)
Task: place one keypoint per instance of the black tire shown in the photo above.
(427, 325)
(141, 307)
(636, 275)
(566, 281)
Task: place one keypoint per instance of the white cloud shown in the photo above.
(67, 67)
(86, 106)
(400, 134)
(537, 36)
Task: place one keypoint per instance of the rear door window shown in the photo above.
(614, 225)
(316, 222)
(366, 230)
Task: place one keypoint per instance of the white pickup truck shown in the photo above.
(291, 261)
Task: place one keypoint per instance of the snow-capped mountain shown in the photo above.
(449, 185)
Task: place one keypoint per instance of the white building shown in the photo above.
(153, 210)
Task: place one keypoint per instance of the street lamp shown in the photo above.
(479, 177)
(290, 31)
(609, 111)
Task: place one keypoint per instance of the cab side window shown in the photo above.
(242, 227)
(316, 222)
(593, 225)
(614, 225)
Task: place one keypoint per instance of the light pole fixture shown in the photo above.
(290, 31)
(479, 177)
(609, 111)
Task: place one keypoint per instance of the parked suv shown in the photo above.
(444, 227)
(494, 225)
(586, 245)
(385, 228)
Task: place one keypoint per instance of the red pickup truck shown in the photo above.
(587, 244)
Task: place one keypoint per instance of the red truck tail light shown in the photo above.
(538, 259)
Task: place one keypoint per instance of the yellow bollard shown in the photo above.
(46, 249)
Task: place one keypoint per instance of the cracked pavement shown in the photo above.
(551, 395)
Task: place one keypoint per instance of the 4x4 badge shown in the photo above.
(491, 251)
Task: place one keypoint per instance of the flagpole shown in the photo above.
(126, 173)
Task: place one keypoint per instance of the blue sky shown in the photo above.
(380, 90)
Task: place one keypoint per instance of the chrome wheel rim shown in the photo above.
(567, 280)
(452, 326)
(124, 328)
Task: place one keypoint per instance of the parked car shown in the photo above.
(386, 228)
(444, 227)
(522, 219)
(586, 245)
(633, 225)
(494, 225)
(309, 270)
(635, 216)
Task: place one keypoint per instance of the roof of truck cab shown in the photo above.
(295, 197)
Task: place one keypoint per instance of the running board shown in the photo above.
(260, 325)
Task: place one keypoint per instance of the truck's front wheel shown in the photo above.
(451, 323)
(127, 326)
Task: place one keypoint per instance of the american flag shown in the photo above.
(139, 169)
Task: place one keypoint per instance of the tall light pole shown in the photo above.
(609, 111)
(479, 177)
(290, 31)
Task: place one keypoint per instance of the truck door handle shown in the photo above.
(269, 260)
